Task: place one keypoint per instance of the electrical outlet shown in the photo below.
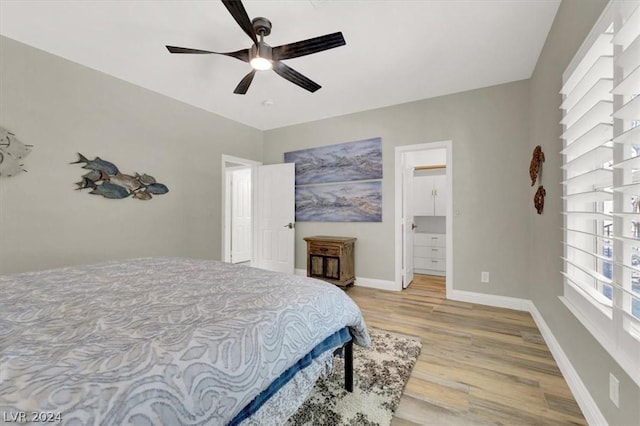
(484, 277)
(614, 390)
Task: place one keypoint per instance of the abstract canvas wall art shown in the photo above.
(340, 202)
(339, 183)
(361, 160)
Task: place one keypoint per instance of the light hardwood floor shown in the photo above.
(487, 365)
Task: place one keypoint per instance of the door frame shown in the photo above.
(399, 194)
(406, 278)
(225, 252)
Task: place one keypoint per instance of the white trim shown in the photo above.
(376, 283)
(429, 272)
(362, 282)
(225, 254)
(398, 167)
(490, 300)
(580, 392)
(587, 404)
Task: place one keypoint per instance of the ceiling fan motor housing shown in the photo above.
(262, 50)
(262, 26)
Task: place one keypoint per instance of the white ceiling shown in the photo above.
(396, 51)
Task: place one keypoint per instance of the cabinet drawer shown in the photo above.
(436, 252)
(438, 240)
(429, 263)
(324, 249)
(437, 264)
(420, 262)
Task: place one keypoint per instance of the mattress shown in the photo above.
(159, 340)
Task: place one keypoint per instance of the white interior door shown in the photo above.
(241, 236)
(407, 225)
(276, 217)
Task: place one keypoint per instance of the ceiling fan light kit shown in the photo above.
(263, 57)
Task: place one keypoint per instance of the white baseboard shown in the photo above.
(376, 283)
(489, 299)
(580, 392)
(587, 404)
(430, 272)
(363, 282)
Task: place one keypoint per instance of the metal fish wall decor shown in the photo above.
(105, 179)
(12, 153)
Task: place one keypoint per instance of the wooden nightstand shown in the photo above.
(331, 259)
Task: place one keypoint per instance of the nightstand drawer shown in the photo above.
(324, 250)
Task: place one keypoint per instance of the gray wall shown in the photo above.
(573, 22)
(63, 108)
(489, 130)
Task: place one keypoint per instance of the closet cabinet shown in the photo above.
(430, 195)
(429, 254)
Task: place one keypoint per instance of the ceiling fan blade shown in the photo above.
(244, 84)
(176, 49)
(307, 47)
(236, 9)
(243, 54)
(294, 76)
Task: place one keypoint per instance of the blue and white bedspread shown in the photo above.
(158, 340)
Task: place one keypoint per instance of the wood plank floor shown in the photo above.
(486, 365)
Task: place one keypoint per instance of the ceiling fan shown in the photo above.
(263, 57)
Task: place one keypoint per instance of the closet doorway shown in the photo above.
(423, 211)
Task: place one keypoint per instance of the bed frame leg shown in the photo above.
(348, 366)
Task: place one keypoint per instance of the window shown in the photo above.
(601, 185)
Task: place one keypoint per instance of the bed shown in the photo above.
(167, 341)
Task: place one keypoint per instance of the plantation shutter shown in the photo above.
(601, 184)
